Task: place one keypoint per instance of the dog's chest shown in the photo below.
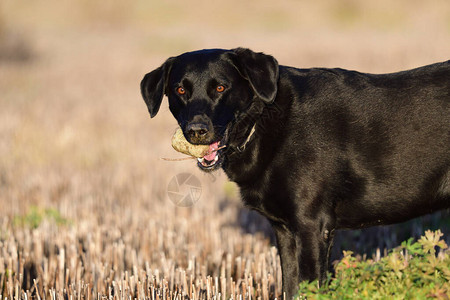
(276, 208)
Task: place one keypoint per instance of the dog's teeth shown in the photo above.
(207, 163)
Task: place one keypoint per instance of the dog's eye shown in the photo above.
(220, 88)
(181, 90)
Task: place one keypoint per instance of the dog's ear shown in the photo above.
(261, 70)
(153, 87)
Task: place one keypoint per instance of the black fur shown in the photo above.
(331, 148)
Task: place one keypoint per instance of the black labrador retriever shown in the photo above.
(314, 150)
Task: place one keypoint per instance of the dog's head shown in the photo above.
(208, 90)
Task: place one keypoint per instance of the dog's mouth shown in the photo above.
(213, 159)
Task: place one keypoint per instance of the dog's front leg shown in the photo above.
(287, 248)
(304, 255)
(314, 247)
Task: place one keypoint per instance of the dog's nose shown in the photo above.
(197, 130)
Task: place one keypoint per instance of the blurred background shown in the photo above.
(76, 140)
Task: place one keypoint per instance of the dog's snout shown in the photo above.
(197, 131)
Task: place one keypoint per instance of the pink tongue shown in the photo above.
(212, 153)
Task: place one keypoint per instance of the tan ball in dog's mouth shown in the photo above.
(207, 155)
(180, 144)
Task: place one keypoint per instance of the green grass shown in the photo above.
(414, 270)
(36, 215)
